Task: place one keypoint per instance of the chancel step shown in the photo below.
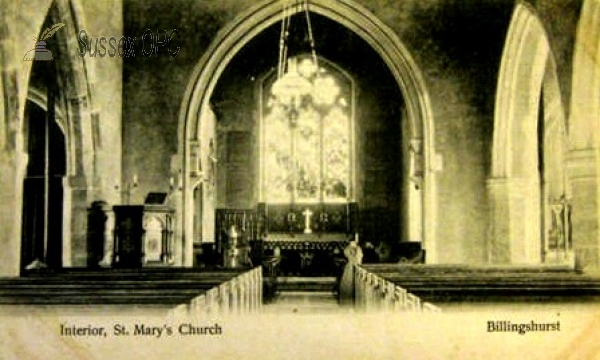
(306, 284)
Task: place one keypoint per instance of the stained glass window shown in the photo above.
(307, 134)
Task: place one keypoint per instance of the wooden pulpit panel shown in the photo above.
(128, 236)
(143, 236)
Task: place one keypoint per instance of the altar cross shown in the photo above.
(307, 215)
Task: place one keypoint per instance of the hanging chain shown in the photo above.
(285, 33)
(311, 38)
(283, 36)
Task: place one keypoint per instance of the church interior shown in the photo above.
(456, 141)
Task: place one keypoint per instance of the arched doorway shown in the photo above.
(528, 182)
(43, 193)
(59, 181)
(382, 40)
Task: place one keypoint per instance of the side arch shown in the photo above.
(75, 87)
(529, 123)
(584, 137)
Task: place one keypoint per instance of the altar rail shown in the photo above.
(374, 293)
(238, 296)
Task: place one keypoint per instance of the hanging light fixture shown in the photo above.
(292, 84)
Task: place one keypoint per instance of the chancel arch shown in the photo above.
(528, 185)
(232, 39)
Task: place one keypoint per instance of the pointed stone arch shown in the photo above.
(359, 20)
(78, 117)
(529, 143)
(75, 88)
(584, 137)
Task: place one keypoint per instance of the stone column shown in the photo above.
(80, 181)
(415, 191)
(13, 162)
(12, 168)
(584, 137)
(515, 235)
(582, 168)
(176, 201)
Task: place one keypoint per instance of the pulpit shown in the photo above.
(128, 236)
(143, 234)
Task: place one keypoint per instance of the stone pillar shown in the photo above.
(11, 196)
(81, 176)
(584, 137)
(12, 161)
(515, 235)
(67, 255)
(415, 191)
(176, 201)
(582, 168)
(77, 194)
(192, 178)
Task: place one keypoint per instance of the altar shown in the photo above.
(308, 238)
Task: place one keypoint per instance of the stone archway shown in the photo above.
(76, 97)
(43, 187)
(381, 38)
(528, 146)
(75, 90)
(584, 137)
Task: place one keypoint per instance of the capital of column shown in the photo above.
(78, 100)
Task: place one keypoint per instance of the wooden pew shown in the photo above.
(140, 286)
(448, 283)
(375, 293)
